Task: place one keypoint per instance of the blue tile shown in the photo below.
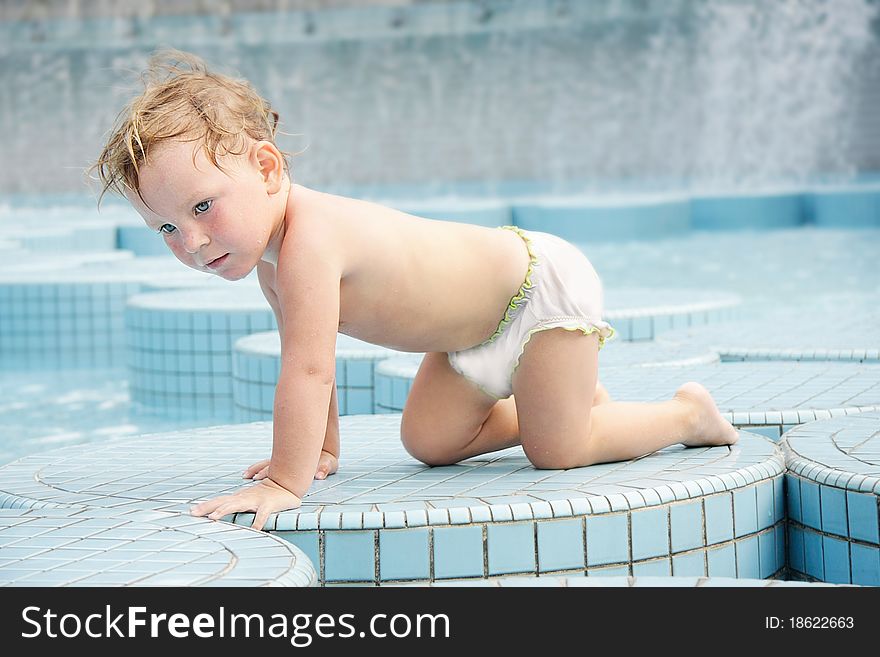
(607, 540)
(657, 568)
(722, 561)
(833, 505)
(404, 554)
(862, 513)
(691, 564)
(650, 533)
(793, 498)
(779, 530)
(810, 504)
(360, 401)
(747, 558)
(360, 373)
(778, 498)
(771, 432)
(836, 553)
(458, 552)
(511, 548)
(764, 494)
(745, 517)
(865, 565)
(305, 541)
(719, 518)
(619, 571)
(796, 549)
(767, 554)
(560, 545)
(686, 524)
(349, 556)
(814, 561)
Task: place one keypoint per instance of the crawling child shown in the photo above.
(510, 320)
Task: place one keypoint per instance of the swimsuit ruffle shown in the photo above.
(522, 296)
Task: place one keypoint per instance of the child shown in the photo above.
(497, 311)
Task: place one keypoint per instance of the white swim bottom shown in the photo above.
(561, 290)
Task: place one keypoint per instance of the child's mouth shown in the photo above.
(217, 262)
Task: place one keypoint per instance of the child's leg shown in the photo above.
(558, 371)
(447, 418)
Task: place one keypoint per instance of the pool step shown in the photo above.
(385, 517)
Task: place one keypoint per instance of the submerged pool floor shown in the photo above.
(817, 276)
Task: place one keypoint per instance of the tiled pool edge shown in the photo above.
(752, 544)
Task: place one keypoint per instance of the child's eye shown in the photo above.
(167, 229)
(202, 207)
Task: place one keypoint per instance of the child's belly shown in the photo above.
(445, 289)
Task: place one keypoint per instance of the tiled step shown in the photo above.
(386, 517)
(257, 363)
(764, 397)
(832, 495)
(644, 313)
(72, 316)
(606, 218)
(179, 347)
(831, 330)
(119, 547)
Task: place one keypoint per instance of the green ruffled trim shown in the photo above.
(519, 298)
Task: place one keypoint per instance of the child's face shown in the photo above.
(215, 221)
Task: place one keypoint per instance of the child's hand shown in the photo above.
(263, 499)
(327, 464)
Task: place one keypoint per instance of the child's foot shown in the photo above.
(709, 427)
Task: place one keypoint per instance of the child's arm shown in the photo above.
(329, 460)
(308, 296)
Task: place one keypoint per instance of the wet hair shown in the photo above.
(182, 100)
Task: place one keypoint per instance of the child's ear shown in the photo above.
(270, 164)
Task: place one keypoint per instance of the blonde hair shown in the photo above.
(183, 100)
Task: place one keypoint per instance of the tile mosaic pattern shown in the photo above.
(554, 581)
(394, 378)
(124, 547)
(833, 499)
(179, 347)
(792, 336)
(644, 313)
(764, 397)
(386, 517)
(70, 315)
(257, 362)
(50, 320)
(652, 353)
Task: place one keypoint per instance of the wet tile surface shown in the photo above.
(81, 547)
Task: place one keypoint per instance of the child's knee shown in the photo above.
(574, 450)
(423, 446)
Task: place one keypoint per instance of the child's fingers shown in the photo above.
(204, 508)
(262, 474)
(256, 468)
(261, 516)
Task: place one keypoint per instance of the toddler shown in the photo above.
(510, 320)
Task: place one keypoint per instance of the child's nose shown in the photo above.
(194, 240)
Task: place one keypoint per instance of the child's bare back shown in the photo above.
(408, 283)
